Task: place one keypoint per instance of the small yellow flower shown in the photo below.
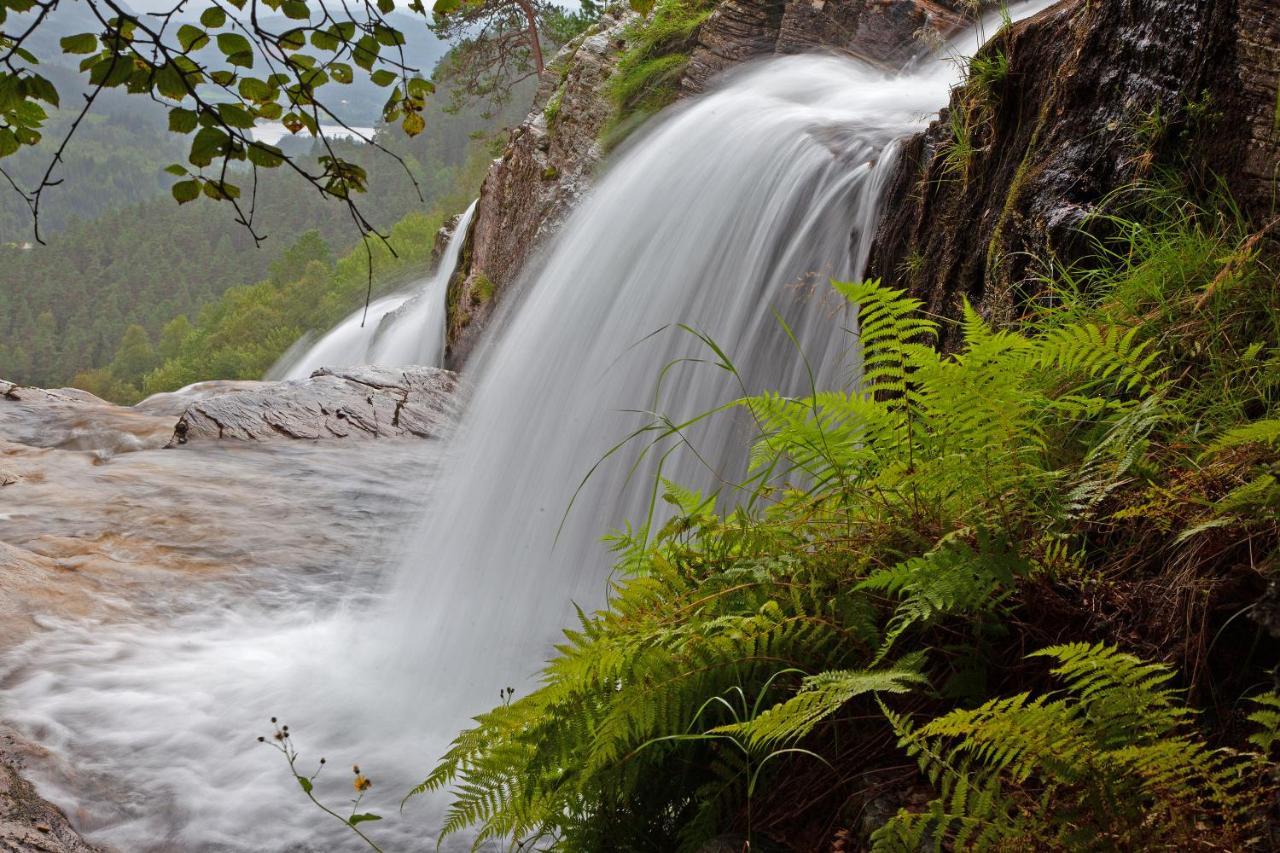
(362, 783)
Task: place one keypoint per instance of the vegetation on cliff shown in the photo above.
(1018, 590)
(649, 70)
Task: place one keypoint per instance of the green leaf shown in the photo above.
(264, 155)
(176, 169)
(366, 52)
(296, 10)
(361, 818)
(223, 77)
(324, 41)
(445, 7)
(38, 87)
(82, 43)
(305, 783)
(236, 116)
(192, 37)
(236, 49)
(294, 39)
(206, 145)
(420, 87)
(111, 71)
(341, 72)
(388, 36)
(170, 83)
(386, 7)
(185, 191)
(182, 120)
(8, 142)
(221, 190)
(213, 17)
(383, 77)
(253, 89)
(413, 124)
(10, 92)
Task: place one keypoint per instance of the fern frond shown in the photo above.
(1257, 432)
(819, 697)
(1113, 355)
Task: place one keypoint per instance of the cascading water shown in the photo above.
(733, 206)
(401, 329)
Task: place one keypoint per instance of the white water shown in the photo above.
(400, 329)
(742, 202)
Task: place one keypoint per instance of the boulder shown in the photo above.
(357, 402)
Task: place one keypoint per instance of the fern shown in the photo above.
(952, 579)
(1114, 355)
(818, 698)
(1108, 763)
(1259, 432)
(902, 519)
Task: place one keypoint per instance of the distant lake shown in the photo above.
(271, 132)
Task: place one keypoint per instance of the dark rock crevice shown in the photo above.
(1098, 96)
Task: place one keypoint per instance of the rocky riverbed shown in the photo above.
(116, 516)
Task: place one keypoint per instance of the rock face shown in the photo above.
(358, 402)
(887, 32)
(1097, 95)
(543, 171)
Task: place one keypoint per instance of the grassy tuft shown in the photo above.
(649, 71)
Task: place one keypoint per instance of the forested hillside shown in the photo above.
(65, 307)
(307, 287)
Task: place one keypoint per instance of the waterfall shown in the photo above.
(400, 329)
(728, 215)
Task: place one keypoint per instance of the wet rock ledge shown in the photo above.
(29, 824)
(357, 402)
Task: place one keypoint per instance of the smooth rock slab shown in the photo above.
(357, 402)
(71, 419)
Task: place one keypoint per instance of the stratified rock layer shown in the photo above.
(1096, 97)
(886, 32)
(357, 402)
(536, 182)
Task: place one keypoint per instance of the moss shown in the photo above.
(552, 110)
(648, 73)
(482, 289)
